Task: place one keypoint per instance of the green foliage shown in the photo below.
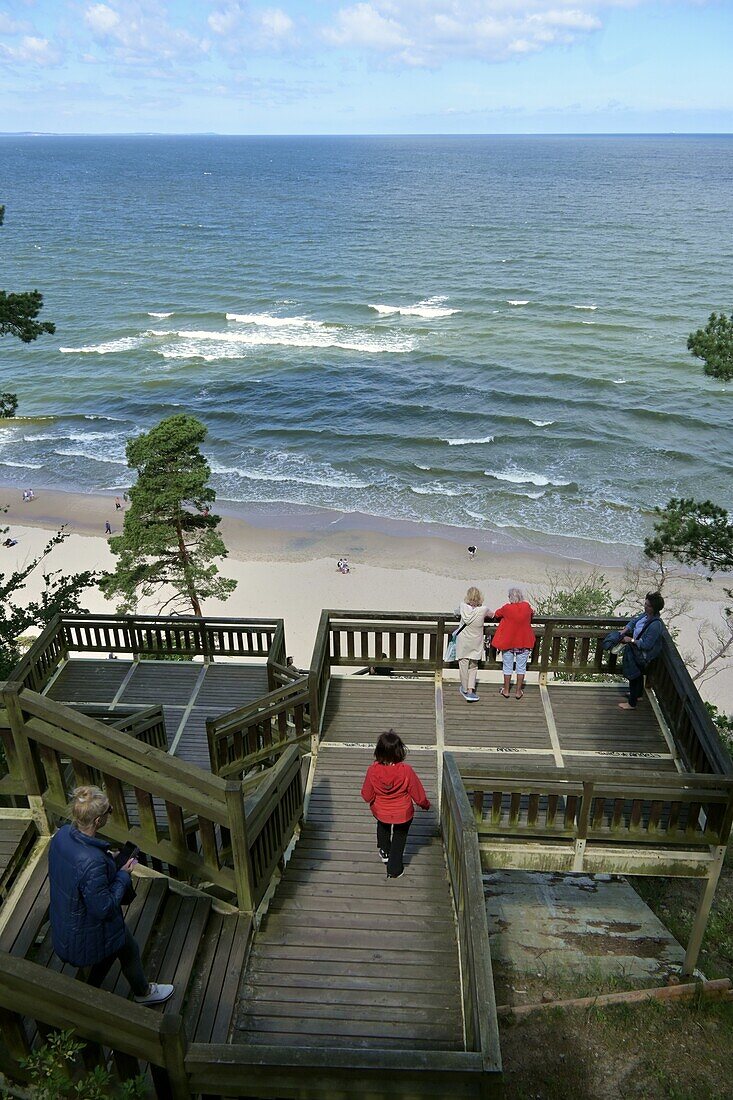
(18, 312)
(53, 1073)
(724, 722)
(170, 537)
(61, 595)
(714, 345)
(692, 532)
(8, 404)
(582, 595)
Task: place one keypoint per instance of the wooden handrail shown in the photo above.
(464, 869)
(259, 731)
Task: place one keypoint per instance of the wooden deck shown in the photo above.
(189, 691)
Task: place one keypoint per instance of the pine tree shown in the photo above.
(170, 538)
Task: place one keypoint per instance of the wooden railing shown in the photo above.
(191, 821)
(145, 724)
(134, 1035)
(260, 731)
(460, 840)
(602, 815)
(145, 636)
(691, 726)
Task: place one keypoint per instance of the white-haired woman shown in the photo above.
(515, 639)
(470, 641)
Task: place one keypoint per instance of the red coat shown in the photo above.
(390, 790)
(514, 631)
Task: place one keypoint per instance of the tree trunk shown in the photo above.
(185, 559)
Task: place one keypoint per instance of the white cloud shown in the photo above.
(139, 33)
(31, 49)
(429, 32)
(244, 28)
(12, 26)
(365, 27)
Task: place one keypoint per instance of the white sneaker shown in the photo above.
(156, 994)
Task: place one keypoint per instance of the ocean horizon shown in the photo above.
(484, 333)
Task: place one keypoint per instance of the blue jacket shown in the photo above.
(86, 891)
(647, 647)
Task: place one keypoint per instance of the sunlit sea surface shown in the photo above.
(481, 332)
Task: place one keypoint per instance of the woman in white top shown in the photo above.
(470, 641)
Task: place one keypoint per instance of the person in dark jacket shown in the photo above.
(642, 642)
(391, 787)
(87, 926)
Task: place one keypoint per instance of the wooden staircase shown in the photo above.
(345, 957)
(184, 938)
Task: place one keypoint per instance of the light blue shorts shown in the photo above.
(508, 657)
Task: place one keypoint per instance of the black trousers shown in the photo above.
(636, 690)
(132, 968)
(391, 840)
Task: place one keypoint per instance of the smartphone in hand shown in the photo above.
(129, 851)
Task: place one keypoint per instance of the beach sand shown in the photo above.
(285, 565)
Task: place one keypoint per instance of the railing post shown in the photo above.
(545, 650)
(439, 643)
(581, 831)
(24, 756)
(700, 922)
(237, 826)
(172, 1083)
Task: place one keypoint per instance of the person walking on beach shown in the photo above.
(472, 551)
(515, 639)
(118, 504)
(470, 641)
(87, 926)
(107, 527)
(642, 642)
(391, 787)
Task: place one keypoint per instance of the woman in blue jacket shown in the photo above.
(642, 642)
(87, 888)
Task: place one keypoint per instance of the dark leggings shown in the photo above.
(391, 840)
(132, 967)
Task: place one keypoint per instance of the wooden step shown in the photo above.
(213, 997)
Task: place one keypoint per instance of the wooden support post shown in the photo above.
(545, 650)
(30, 770)
(237, 826)
(703, 912)
(171, 1083)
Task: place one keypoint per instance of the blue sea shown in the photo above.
(482, 332)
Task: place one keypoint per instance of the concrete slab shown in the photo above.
(565, 929)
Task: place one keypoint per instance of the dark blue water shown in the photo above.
(474, 331)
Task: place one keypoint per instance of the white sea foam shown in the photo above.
(466, 442)
(420, 466)
(210, 346)
(125, 343)
(435, 489)
(517, 301)
(71, 452)
(523, 477)
(586, 307)
(268, 321)
(160, 316)
(541, 423)
(587, 322)
(331, 478)
(24, 465)
(620, 381)
(430, 309)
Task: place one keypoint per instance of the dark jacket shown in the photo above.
(648, 646)
(86, 891)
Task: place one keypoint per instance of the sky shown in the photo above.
(370, 66)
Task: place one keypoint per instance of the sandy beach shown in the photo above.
(285, 565)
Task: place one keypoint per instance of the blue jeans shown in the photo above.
(130, 962)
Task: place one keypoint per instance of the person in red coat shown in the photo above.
(391, 787)
(515, 638)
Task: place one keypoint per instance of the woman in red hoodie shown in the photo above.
(390, 787)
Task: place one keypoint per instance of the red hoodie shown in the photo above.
(390, 790)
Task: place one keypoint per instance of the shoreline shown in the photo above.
(285, 566)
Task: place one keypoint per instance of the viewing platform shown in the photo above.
(300, 971)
